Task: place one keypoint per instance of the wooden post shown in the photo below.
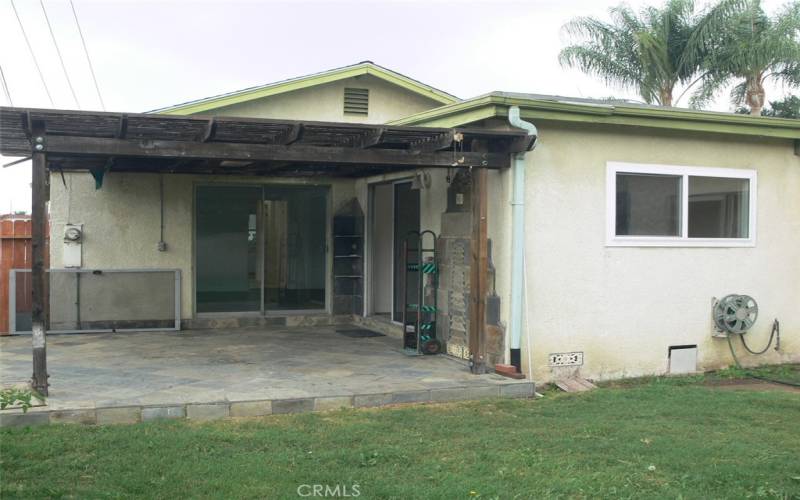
(479, 268)
(38, 290)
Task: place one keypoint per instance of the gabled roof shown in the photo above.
(570, 109)
(302, 82)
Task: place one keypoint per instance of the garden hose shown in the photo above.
(775, 330)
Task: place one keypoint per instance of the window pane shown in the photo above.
(719, 207)
(648, 205)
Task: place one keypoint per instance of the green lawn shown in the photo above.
(661, 438)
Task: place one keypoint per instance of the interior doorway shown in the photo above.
(394, 213)
(260, 248)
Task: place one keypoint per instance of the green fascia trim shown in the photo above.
(469, 116)
(449, 112)
(306, 82)
(723, 123)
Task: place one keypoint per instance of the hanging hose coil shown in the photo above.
(775, 334)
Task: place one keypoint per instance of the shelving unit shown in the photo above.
(348, 259)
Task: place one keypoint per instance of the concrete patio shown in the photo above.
(205, 374)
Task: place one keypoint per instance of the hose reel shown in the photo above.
(735, 313)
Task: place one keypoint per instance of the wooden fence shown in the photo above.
(15, 253)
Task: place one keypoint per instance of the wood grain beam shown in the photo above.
(373, 138)
(435, 143)
(39, 314)
(91, 146)
(211, 130)
(122, 127)
(294, 134)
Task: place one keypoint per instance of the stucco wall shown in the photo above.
(121, 220)
(623, 307)
(326, 103)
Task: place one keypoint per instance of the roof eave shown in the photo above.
(494, 105)
(224, 100)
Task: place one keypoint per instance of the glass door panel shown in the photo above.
(295, 237)
(228, 278)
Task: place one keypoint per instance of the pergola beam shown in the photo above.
(294, 134)
(374, 138)
(299, 153)
(435, 143)
(210, 131)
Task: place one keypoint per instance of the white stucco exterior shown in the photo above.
(624, 306)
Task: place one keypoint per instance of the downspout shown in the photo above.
(518, 234)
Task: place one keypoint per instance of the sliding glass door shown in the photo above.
(228, 278)
(294, 247)
(260, 249)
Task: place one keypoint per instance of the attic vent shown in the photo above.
(356, 101)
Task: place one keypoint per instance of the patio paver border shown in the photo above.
(206, 411)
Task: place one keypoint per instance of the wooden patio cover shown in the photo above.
(124, 142)
(101, 142)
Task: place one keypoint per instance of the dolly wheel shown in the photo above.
(432, 346)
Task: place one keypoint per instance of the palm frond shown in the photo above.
(710, 85)
(738, 93)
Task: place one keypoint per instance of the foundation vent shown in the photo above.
(682, 359)
(356, 101)
(565, 358)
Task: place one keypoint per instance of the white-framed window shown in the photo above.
(670, 205)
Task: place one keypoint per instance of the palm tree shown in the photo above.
(754, 49)
(652, 51)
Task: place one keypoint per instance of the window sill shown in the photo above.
(681, 242)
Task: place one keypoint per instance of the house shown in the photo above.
(598, 246)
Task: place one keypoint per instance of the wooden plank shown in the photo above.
(575, 384)
(211, 129)
(15, 131)
(437, 142)
(92, 146)
(479, 269)
(38, 225)
(294, 134)
(372, 138)
(122, 128)
(521, 144)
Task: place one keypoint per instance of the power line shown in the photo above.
(5, 87)
(58, 51)
(33, 55)
(88, 59)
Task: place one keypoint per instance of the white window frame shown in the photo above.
(612, 240)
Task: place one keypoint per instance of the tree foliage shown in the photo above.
(784, 108)
(658, 48)
(651, 51)
(753, 49)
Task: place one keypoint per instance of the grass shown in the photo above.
(651, 439)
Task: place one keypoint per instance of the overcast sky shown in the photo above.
(149, 54)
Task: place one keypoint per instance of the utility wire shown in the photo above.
(33, 56)
(5, 87)
(88, 59)
(58, 51)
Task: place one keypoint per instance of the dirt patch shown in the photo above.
(750, 385)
